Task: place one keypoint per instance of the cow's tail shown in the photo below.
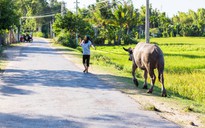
(160, 68)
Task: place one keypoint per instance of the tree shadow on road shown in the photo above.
(24, 121)
(64, 78)
(10, 90)
(117, 119)
(11, 79)
(71, 79)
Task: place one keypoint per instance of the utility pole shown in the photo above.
(53, 20)
(51, 29)
(147, 23)
(52, 35)
(76, 7)
(63, 8)
(19, 30)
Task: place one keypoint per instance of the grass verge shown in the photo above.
(3, 57)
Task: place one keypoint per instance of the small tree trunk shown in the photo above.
(115, 43)
(119, 35)
(119, 40)
(128, 30)
(39, 28)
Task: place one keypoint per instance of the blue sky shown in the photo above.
(171, 7)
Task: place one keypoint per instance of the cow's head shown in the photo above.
(130, 51)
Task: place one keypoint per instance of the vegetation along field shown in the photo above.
(184, 65)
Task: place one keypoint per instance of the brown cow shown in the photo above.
(147, 57)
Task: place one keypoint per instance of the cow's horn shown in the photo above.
(125, 49)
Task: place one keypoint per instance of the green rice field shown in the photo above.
(184, 65)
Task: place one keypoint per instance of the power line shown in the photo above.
(105, 6)
(52, 12)
(33, 17)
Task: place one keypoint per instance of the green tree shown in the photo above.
(70, 23)
(37, 8)
(9, 16)
(201, 20)
(119, 20)
(164, 23)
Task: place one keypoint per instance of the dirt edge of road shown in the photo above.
(9, 53)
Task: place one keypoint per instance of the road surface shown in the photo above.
(42, 89)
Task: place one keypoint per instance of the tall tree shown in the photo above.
(8, 14)
(37, 8)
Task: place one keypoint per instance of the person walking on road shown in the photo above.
(86, 44)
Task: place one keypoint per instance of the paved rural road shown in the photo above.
(41, 89)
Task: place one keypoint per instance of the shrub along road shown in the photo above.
(40, 88)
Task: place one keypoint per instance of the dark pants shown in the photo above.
(86, 60)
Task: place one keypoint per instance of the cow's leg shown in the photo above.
(145, 79)
(134, 67)
(161, 79)
(153, 78)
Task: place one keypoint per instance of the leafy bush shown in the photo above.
(38, 34)
(66, 39)
(99, 41)
(165, 34)
(129, 40)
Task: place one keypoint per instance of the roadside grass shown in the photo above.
(150, 107)
(3, 61)
(3, 57)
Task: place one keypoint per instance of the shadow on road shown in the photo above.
(65, 78)
(116, 120)
(23, 121)
(11, 90)
(51, 78)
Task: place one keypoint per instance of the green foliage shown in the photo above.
(154, 32)
(38, 34)
(66, 39)
(27, 8)
(190, 23)
(8, 14)
(129, 40)
(113, 23)
(71, 23)
(98, 41)
(119, 23)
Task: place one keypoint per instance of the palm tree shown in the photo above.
(119, 20)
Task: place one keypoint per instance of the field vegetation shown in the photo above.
(184, 65)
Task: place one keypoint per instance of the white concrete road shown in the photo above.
(41, 89)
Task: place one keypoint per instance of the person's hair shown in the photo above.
(88, 39)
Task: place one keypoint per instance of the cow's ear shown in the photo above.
(126, 49)
(130, 50)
